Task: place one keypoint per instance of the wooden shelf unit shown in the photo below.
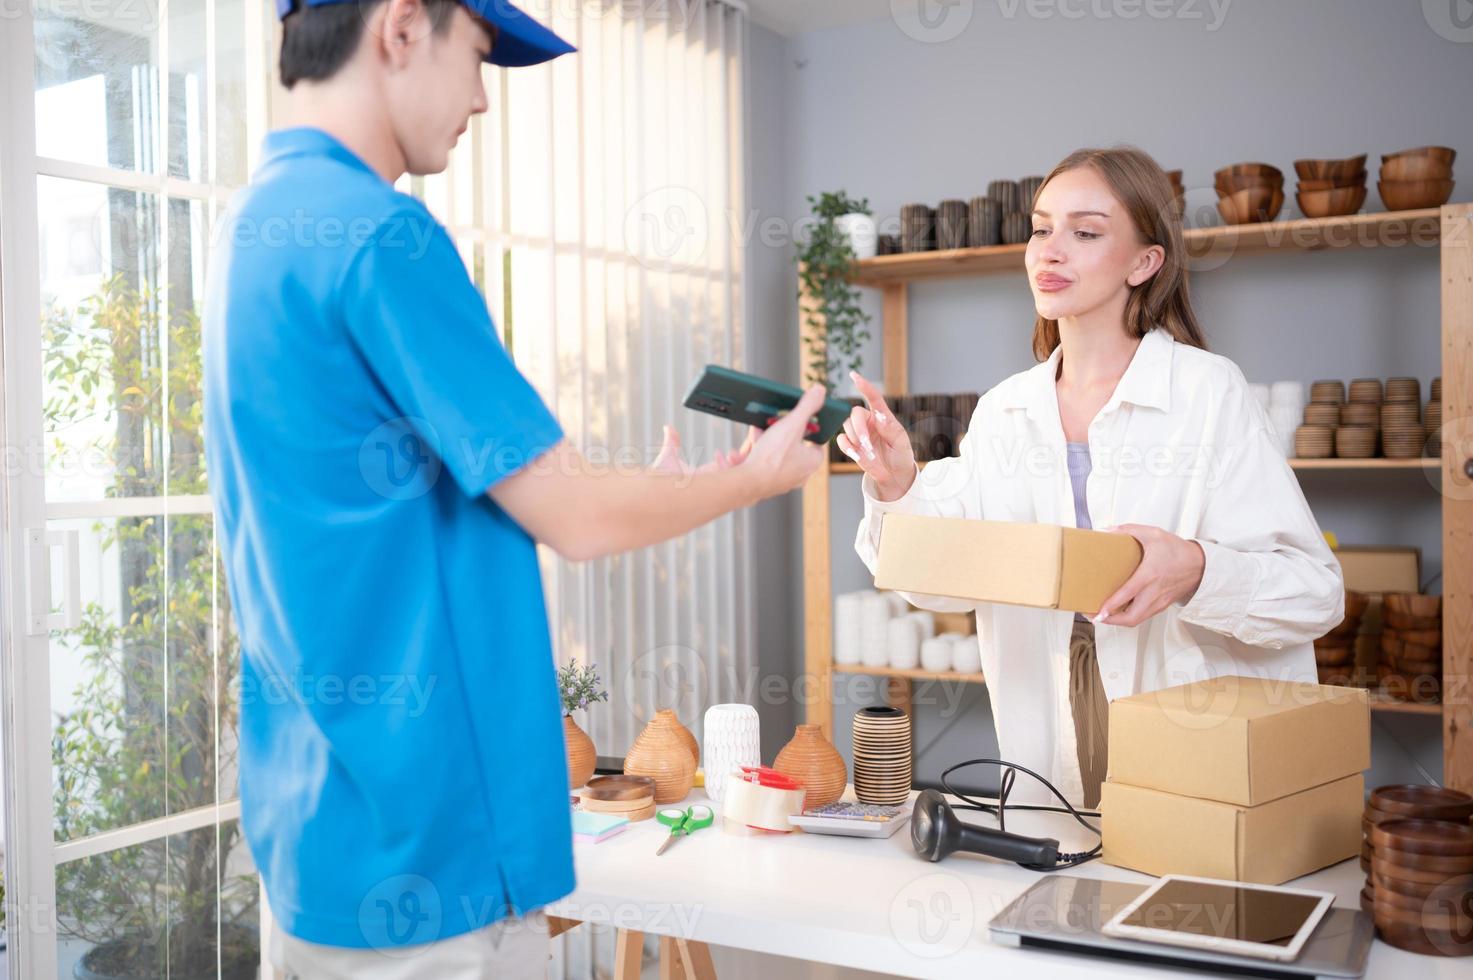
(1372, 465)
(1449, 229)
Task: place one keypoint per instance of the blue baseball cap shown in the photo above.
(520, 40)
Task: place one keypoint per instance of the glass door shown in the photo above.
(125, 129)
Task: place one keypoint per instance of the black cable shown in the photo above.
(1065, 860)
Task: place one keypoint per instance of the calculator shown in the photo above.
(848, 818)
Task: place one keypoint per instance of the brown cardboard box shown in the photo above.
(1163, 833)
(1242, 740)
(1374, 571)
(1380, 569)
(1002, 561)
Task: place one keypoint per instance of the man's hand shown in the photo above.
(780, 458)
(1170, 571)
(670, 459)
(585, 512)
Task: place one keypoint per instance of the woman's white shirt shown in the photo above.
(1183, 445)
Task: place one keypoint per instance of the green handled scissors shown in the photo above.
(685, 822)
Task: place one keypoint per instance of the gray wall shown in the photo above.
(871, 110)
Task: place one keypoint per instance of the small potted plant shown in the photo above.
(579, 687)
(825, 262)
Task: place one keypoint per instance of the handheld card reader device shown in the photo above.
(751, 400)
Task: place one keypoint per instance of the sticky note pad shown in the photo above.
(595, 827)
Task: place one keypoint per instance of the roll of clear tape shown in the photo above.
(759, 807)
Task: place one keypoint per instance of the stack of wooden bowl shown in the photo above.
(1334, 653)
(1419, 178)
(1411, 647)
(1360, 420)
(1331, 187)
(1409, 801)
(1422, 883)
(628, 796)
(1432, 419)
(1315, 439)
(1402, 435)
(1249, 192)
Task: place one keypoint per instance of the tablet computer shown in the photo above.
(748, 399)
(1235, 917)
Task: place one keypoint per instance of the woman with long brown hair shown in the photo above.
(1127, 424)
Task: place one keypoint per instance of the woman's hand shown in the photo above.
(878, 443)
(1170, 571)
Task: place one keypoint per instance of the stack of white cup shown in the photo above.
(880, 629)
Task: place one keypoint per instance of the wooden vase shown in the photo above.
(812, 759)
(582, 756)
(686, 738)
(663, 754)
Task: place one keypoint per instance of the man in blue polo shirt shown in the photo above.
(381, 474)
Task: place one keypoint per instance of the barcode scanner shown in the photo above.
(936, 831)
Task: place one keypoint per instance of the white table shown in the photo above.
(870, 904)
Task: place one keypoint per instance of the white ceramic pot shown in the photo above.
(732, 739)
(848, 609)
(862, 232)
(936, 653)
(904, 643)
(966, 655)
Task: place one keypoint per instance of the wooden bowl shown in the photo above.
(1442, 838)
(1357, 180)
(1401, 621)
(1408, 195)
(1422, 800)
(1227, 185)
(1329, 203)
(1322, 413)
(1255, 169)
(1355, 442)
(1444, 153)
(1413, 604)
(1416, 168)
(1251, 205)
(1328, 169)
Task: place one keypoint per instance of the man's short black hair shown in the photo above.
(317, 41)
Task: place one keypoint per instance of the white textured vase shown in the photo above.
(862, 232)
(733, 739)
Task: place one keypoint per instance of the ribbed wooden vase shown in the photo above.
(582, 756)
(813, 759)
(686, 737)
(663, 753)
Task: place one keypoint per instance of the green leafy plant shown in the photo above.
(579, 686)
(830, 302)
(151, 728)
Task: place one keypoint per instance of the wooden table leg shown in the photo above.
(696, 957)
(557, 925)
(628, 952)
(670, 966)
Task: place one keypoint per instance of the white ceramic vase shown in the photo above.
(862, 232)
(733, 739)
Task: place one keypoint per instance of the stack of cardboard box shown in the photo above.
(1236, 777)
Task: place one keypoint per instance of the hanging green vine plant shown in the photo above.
(825, 263)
